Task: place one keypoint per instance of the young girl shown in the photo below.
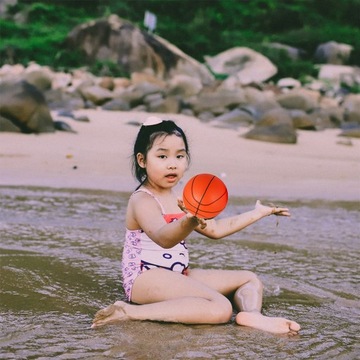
(157, 279)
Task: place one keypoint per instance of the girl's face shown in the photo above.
(165, 162)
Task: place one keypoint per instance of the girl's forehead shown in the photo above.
(166, 141)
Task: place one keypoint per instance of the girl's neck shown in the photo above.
(156, 190)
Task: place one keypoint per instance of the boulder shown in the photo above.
(61, 80)
(134, 96)
(352, 132)
(97, 94)
(184, 85)
(4, 4)
(41, 78)
(7, 125)
(254, 96)
(25, 106)
(58, 99)
(275, 126)
(351, 108)
(322, 119)
(243, 65)
(134, 50)
(138, 78)
(168, 105)
(333, 52)
(301, 120)
(292, 52)
(107, 83)
(215, 100)
(301, 99)
(121, 82)
(338, 74)
(288, 83)
(148, 88)
(11, 73)
(233, 119)
(117, 105)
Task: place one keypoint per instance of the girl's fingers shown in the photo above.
(280, 211)
(182, 207)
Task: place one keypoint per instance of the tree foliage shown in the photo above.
(198, 27)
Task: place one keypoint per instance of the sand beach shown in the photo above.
(321, 165)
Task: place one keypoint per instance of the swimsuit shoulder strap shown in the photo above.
(153, 196)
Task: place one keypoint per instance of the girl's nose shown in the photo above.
(171, 167)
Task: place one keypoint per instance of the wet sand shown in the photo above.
(319, 166)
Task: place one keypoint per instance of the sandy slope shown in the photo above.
(98, 157)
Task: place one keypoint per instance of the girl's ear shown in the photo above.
(140, 158)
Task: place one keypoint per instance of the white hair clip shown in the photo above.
(152, 120)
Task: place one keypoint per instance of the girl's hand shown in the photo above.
(201, 222)
(271, 209)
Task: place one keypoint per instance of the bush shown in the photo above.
(197, 27)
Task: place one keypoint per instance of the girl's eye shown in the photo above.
(180, 156)
(162, 156)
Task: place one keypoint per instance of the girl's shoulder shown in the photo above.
(141, 207)
(144, 197)
(141, 193)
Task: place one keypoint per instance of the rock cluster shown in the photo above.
(165, 80)
(273, 112)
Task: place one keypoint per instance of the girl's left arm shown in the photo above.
(216, 229)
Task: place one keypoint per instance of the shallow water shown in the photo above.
(60, 263)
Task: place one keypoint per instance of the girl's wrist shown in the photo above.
(196, 221)
(258, 214)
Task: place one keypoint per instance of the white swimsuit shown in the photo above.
(141, 253)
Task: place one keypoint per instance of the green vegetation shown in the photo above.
(198, 27)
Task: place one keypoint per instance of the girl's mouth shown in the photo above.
(171, 177)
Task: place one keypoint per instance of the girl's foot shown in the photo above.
(112, 313)
(274, 325)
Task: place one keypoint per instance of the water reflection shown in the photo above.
(60, 262)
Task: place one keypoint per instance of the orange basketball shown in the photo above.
(205, 196)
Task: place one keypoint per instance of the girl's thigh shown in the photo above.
(159, 285)
(223, 281)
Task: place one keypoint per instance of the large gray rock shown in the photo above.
(333, 52)
(275, 126)
(4, 4)
(97, 94)
(7, 125)
(57, 99)
(243, 65)
(215, 100)
(24, 105)
(301, 120)
(300, 99)
(338, 74)
(184, 85)
(41, 78)
(351, 107)
(233, 119)
(166, 105)
(120, 41)
(322, 119)
(292, 52)
(117, 105)
(352, 132)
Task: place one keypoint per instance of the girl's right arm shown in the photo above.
(144, 213)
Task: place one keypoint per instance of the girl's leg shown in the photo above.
(165, 295)
(243, 286)
(246, 289)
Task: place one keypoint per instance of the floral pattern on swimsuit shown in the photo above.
(140, 254)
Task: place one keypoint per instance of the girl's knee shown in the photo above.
(221, 311)
(254, 280)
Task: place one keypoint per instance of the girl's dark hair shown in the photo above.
(145, 140)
